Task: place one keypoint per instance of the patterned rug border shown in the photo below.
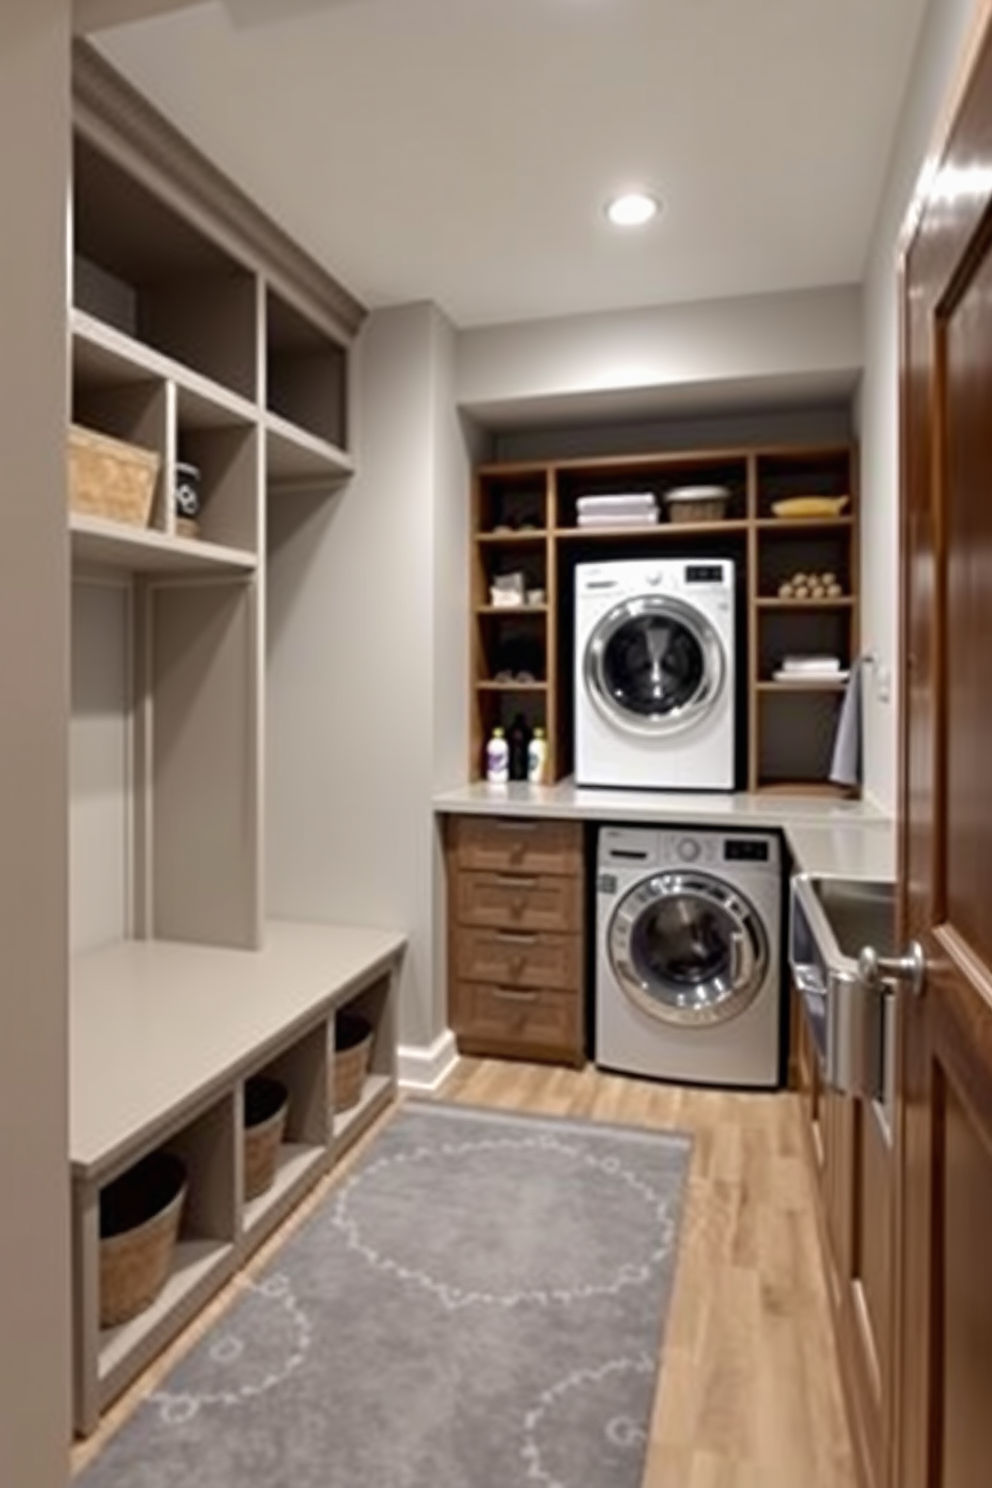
(551, 1119)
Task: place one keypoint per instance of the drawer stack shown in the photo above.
(515, 914)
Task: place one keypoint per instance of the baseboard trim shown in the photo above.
(420, 1067)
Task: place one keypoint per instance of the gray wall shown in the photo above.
(630, 364)
(34, 1225)
(946, 26)
(367, 659)
(817, 425)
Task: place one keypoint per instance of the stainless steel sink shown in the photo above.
(848, 914)
(852, 1022)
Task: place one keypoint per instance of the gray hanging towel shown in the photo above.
(845, 766)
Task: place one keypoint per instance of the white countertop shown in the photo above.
(826, 835)
(156, 1024)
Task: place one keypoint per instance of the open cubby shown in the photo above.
(146, 270)
(495, 561)
(229, 461)
(787, 474)
(781, 554)
(375, 1005)
(498, 709)
(207, 1233)
(512, 500)
(512, 642)
(802, 633)
(305, 372)
(656, 476)
(135, 411)
(302, 1069)
(796, 738)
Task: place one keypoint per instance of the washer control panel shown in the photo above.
(691, 848)
(705, 849)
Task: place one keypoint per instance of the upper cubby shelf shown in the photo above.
(145, 270)
(305, 373)
(180, 278)
(106, 358)
(785, 475)
(298, 459)
(657, 477)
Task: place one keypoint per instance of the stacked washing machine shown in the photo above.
(688, 922)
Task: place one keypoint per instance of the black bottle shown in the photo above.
(518, 739)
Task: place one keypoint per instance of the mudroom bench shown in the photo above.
(163, 1038)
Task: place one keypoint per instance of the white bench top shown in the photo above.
(156, 1026)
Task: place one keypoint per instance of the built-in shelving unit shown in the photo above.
(140, 1082)
(201, 333)
(525, 522)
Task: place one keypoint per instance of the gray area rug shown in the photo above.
(478, 1305)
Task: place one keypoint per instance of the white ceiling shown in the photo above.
(461, 150)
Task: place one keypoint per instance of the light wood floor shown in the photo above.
(749, 1391)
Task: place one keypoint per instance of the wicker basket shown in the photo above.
(139, 1223)
(352, 1051)
(108, 478)
(266, 1105)
(697, 504)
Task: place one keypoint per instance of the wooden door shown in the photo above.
(944, 1193)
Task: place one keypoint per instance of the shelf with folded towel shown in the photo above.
(800, 683)
(663, 529)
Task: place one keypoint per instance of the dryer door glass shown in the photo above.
(688, 949)
(654, 665)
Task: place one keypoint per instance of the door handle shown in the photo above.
(736, 958)
(909, 970)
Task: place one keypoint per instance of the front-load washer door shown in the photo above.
(688, 949)
(654, 665)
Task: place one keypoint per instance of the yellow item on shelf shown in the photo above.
(810, 506)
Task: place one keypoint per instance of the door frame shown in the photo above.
(910, 1308)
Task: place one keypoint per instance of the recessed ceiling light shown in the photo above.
(632, 209)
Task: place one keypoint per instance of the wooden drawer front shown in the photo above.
(510, 958)
(538, 902)
(505, 1016)
(500, 844)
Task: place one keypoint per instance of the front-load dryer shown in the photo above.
(654, 674)
(688, 966)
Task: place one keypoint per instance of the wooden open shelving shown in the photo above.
(789, 726)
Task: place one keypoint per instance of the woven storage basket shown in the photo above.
(266, 1105)
(352, 1051)
(139, 1223)
(108, 478)
(697, 504)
